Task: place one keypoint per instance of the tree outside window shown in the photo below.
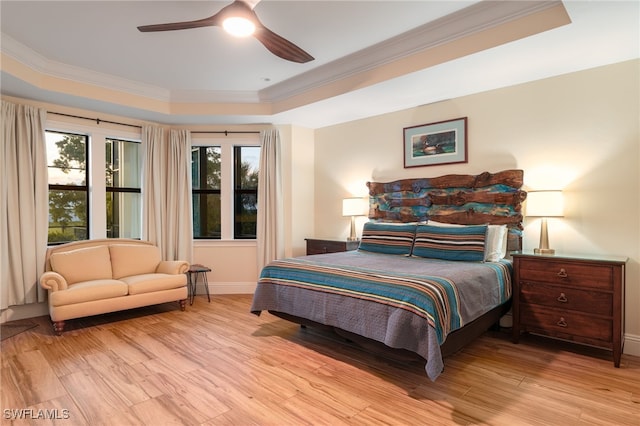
(124, 199)
(205, 181)
(236, 189)
(246, 168)
(68, 186)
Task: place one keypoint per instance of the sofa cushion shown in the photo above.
(133, 259)
(85, 264)
(88, 291)
(148, 283)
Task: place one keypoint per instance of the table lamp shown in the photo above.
(544, 204)
(354, 207)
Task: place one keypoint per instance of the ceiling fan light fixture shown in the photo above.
(239, 26)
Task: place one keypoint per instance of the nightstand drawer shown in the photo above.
(566, 273)
(595, 302)
(563, 324)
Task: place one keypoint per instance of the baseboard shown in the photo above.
(20, 312)
(229, 288)
(631, 344)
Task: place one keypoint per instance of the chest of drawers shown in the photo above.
(579, 299)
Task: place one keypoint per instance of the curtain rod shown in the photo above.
(227, 132)
(98, 121)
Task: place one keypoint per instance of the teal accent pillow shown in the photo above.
(451, 243)
(387, 238)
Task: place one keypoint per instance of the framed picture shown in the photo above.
(443, 142)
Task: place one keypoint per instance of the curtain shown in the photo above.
(270, 229)
(167, 192)
(24, 204)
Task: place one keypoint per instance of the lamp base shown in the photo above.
(352, 239)
(544, 251)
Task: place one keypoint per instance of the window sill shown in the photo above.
(224, 243)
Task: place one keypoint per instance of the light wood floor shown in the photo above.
(217, 364)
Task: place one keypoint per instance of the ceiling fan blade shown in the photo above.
(206, 22)
(240, 6)
(251, 3)
(280, 46)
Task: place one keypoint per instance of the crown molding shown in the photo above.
(463, 23)
(45, 66)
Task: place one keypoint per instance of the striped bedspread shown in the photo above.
(404, 302)
(434, 298)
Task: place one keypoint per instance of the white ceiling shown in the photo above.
(359, 48)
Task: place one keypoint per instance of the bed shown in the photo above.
(431, 272)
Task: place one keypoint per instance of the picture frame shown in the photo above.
(442, 142)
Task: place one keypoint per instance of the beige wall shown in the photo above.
(578, 132)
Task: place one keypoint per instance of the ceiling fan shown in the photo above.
(239, 16)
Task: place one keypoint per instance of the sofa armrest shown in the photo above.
(172, 267)
(53, 281)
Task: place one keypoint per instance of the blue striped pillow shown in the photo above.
(387, 238)
(450, 243)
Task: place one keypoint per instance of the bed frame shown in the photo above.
(456, 199)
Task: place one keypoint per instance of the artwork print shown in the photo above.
(443, 142)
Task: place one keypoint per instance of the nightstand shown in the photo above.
(574, 298)
(329, 246)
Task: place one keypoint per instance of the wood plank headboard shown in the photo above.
(487, 198)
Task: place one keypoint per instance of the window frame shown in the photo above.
(227, 144)
(124, 189)
(206, 191)
(82, 188)
(97, 210)
(239, 191)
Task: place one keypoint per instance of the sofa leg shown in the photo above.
(58, 327)
(183, 304)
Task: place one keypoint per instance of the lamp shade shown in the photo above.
(545, 204)
(355, 207)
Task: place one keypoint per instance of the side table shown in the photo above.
(575, 298)
(316, 246)
(192, 276)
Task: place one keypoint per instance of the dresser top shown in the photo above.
(570, 256)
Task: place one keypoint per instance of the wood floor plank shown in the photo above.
(218, 364)
(34, 378)
(97, 401)
(119, 376)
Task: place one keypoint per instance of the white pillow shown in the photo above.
(495, 246)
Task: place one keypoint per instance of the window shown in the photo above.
(205, 181)
(245, 191)
(224, 177)
(122, 177)
(68, 186)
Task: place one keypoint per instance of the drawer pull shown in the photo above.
(562, 322)
(562, 273)
(562, 298)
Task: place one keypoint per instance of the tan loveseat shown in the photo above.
(93, 277)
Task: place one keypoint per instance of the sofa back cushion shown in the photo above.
(133, 259)
(85, 264)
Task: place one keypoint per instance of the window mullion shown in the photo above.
(226, 191)
(97, 186)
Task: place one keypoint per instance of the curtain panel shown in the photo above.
(167, 220)
(270, 229)
(24, 202)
